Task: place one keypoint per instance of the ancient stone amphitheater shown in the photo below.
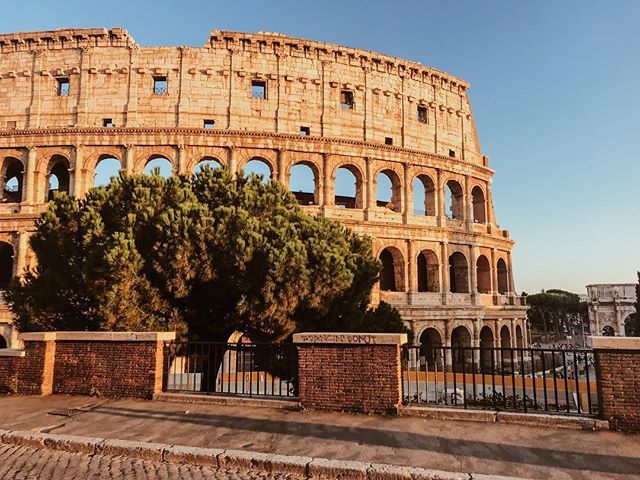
(72, 100)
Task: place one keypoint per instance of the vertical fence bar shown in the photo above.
(576, 373)
(533, 378)
(566, 379)
(523, 378)
(586, 371)
(555, 379)
(544, 380)
(473, 368)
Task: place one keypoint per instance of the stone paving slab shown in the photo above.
(454, 446)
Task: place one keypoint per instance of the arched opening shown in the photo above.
(3, 342)
(503, 276)
(519, 337)
(483, 274)
(348, 187)
(58, 178)
(461, 349)
(161, 165)
(454, 200)
(257, 166)
(505, 337)
(6, 264)
(388, 190)
(206, 162)
(12, 184)
(608, 331)
(430, 351)
(424, 196)
(428, 269)
(106, 169)
(486, 345)
(303, 183)
(458, 273)
(479, 205)
(391, 276)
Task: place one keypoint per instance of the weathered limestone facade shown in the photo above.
(71, 98)
(610, 306)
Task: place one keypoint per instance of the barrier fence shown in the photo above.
(515, 379)
(241, 369)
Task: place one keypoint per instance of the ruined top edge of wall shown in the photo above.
(229, 39)
(615, 343)
(97, 336)
(50, 38)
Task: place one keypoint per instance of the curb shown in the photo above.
(305, 467)
(510, 418)
(200, 399)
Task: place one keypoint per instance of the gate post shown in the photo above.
(618, 378)
(359, 372)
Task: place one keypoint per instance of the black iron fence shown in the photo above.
(252, 370)
(516, 379)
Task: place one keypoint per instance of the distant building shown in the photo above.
(610, 306)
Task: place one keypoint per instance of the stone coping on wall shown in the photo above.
(615, 343)
(351, 338)
(11, 352)
(98, 336)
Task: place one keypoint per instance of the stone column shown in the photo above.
(327, 187)
(29, 183)
(468, 203)
(281, 174)
(512, 287)
(408, 193)
(444, 271)
(475, 342)
(129, 159)
(494, 272)
(370, 200)
(473, 274)
(77, 173)
(231, 161)
(23, 246)
(440, 197)
(182, 160)
(411, 270)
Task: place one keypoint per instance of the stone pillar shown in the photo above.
(494, 272)
(358, 372)
(512, 287)
(23, 246)
(30, 183)
(182, 160)
(473, 273)
(281, 174)
(408, 193)
(129, 159)
(411, 269)
(370, 200)
(468, 203)
(231, 161)
(77, 173)
(617, 379)
(444, 271)
(440, 198)
(327, 182)
(475, 342)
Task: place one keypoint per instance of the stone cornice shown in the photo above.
(113, 132)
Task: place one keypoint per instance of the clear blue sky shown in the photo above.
(555, 93)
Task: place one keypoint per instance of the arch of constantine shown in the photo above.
(390, 146)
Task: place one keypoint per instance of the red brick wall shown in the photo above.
(9, 373)
(31, 374)
(362, 378)
(110, 369)
(619, 388)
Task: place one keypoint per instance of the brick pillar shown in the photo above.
(358, 372)
(36, 375)
(618, 378)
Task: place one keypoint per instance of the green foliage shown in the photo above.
(556, 311)
(205, 256)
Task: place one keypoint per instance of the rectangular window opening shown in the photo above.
(160, 86)
(305, 131)
(452, 153)
(423, 114)
(259, 89)
(11, 125)
(63, 87)
(107, 122)
(388, 141)
(346, 99)
(209, 124)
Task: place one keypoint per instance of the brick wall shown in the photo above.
(110, 364)
(361, 377)
(110, 369)
(618, 377)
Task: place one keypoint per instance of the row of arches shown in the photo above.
(429, 276)
(303, 178)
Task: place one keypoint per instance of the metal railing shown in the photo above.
(240, 369)
(515, 379)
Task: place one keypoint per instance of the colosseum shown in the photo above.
(390, 146)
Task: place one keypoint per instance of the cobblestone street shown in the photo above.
(18, 462)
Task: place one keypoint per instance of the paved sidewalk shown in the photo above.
(17, 462)
(530, 452)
